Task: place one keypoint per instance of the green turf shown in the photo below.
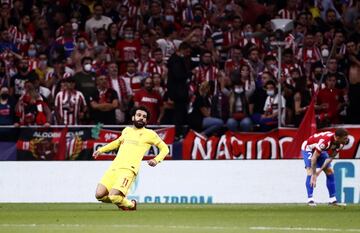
(158, 218)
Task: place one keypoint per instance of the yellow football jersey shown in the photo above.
(132, 146)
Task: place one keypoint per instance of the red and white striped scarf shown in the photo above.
(121, 87)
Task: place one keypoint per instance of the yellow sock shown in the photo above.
(116, 199)
(105, 199)
(127, 203)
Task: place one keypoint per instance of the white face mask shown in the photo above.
(270, 92)
(169, 18)
(325, 52)
(238, 90)
(42, 64)
(75, 26)
(87, 67)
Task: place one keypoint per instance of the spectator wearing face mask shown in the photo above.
(127, 49)
(239, 109)
(169, 18)
(32, 57)
(269, 120)
(82, 49)
(42, 68)
(17, 84)
(85, 79)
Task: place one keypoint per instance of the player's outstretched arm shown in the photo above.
(109, 147)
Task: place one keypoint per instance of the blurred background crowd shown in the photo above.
(208, 65)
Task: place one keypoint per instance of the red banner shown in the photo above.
(270, 145)
(106, 136)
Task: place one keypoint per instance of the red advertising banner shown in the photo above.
(106, 136)
(270, 145)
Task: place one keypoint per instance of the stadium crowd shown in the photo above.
(208, 64)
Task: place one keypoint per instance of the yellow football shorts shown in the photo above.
(120, 179)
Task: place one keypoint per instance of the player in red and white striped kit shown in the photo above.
(315, 154)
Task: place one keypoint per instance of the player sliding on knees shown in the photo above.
(315, 155)
(132, 146)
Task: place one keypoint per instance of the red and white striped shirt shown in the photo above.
(321, 142)
(203, 73)
(229, 38)
(132, 80)
(68, 106)
(290, 42)
(287, 68)
(133, 9)
(309, 55)
(230, 65)
(143, 66)
(20, 39)
(33, 63)
(244, 41)
(286, 14)
(158, 68)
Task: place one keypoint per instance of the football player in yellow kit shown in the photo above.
(132, 146)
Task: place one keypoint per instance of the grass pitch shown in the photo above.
(159, 218)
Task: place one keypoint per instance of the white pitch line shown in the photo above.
(34, 225)
(303, 229)
(254, 228)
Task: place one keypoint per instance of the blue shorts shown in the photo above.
(320, 161)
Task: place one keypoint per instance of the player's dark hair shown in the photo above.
(341, 132)
(142, 108)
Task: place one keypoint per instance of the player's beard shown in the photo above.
(139, 124)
